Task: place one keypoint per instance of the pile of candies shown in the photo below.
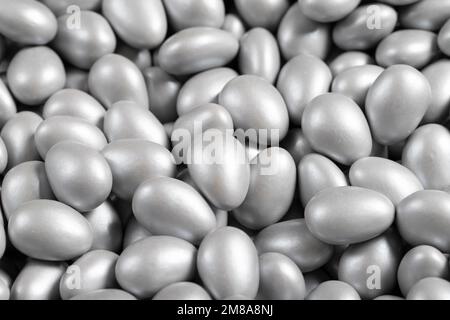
(219, 149)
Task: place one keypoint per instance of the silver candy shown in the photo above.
(184, 14)
(299, 34)
(149, 265)
(83, 46)
(326, 10)
(202, 88)
(27, 21)
(412, 47)
(228, 264)
(359, 30)
(182, 291)
(197, 49)
(25, 182)
(270, 193)
(419, 263)
(335, 126)
(385, 176)
(280, 278)
(293, 239)
(316, 173)
(430, 289)
(50, 220)
(129, 120)
(255, 104)
(66, 128)
(92, 271)
(432, 171)
(334, 290)
(34, 74)
(346, 215)
(302, 79)
(190, 218)
(259, 54)
(38, 280)
(149, 160)
(109, 88)
(141, 23)
(88, 182)
(422, 218)
(391, 119)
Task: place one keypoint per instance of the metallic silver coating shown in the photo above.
(346, 215)
(430, 289)
(140, 23)
(355, 82)
(134, 232)
(25, 182)
(335, 126)
(75, 103)
(376, 259)
(106, 226)
(327, 10)
(293, 239)
(269, 195)
(60, 7)
(197, 49)
(50, 220)
(184, 14)
(418, 263)
(154, 209)
(385, 176)
(393, 119)
(182, 291)
(296, 144)
(316, 173)
(234, 25)
(105, 294)
(353, 33)
(142, 58)
(163, 92)
(108, 87)
(79, 175)
(438, 75)
(96, 270)
(334, 290)
(349, 59)
(423, 219)
(280, 278)
(300, 80)
(262, 13)
(425, 14)
(427, 154)
(299, 34)
(259, 54)
(224, 182)
(82, 47)
(147, 266)
(27, 22)
(38, 280)
(255, 104)
(34, 74)
(149, 160)
(67, 128)
(412, 47)
(129, 120)
(7, 104)
(18, 136)
(228, 263)
(203, 88)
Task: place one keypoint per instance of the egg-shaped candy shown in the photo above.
(49, 230)
(87, 184)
